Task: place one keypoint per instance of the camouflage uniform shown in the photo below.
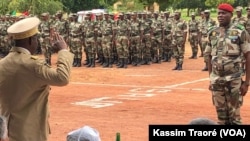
(135, 40)
(146, 42)
(179, 39)
(107, 43)
(205, 25)
(157, 39)
(226, 48)
(122, 44)
(75, 41)
(239, 19)
(90, 43)
(4, 41)
(45, 37)
(167, 38)
(193, 35)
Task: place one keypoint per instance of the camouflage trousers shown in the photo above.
(90, 48)
(204, 43)
(76, 47)
(178, 50)
(122, 47)
(194, 42)
(46, 48)
(107, 46)
(227, 101)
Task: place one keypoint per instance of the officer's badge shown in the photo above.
(234, 33)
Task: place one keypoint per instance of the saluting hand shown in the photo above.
(58, 42)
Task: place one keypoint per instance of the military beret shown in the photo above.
(226, 7)
(24, 28)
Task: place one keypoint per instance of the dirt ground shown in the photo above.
(122, 100)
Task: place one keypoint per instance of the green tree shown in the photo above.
(215, 3)
(35, 7)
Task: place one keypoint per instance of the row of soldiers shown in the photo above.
(133, 38)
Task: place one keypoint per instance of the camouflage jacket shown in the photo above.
(227, 46)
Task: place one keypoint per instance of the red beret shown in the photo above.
(226, 7)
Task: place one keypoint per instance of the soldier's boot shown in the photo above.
(93, 62)
(86, 62)
(159, 60)
(134, 61)
(79, 62)
(169, 57)
(106, 63)
(176, 67)
(179, 67)
(75, 62)
(143, 61)
(125, 62)
(148, 61)
(165, 57)
(205, 68)
(191, 57)
(90, 62)
(121, 63)
(110, 62)
(195, 55)
(138, 61)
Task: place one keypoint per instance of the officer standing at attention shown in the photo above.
(25, 82)
(228, 45)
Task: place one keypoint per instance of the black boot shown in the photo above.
(121, 63)
(176, 67)
(93, 63)
(90, 62)
(191, 57)
(106, 63)
(75, 62)
(79, 62)
(125, 62)
(205, 68)
(111, 61)
(179, 67)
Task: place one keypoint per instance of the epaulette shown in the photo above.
(34, 57)
(239, 26)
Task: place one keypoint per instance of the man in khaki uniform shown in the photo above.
(25, 82)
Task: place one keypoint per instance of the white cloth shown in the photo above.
(86, 133)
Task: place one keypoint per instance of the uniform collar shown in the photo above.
(20, 49)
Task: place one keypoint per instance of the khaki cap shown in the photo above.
(248, 8)
(192, 14)
(24, 28)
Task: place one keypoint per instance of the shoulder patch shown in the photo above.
(34, 57)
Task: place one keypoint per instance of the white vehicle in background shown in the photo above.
(82, 14)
